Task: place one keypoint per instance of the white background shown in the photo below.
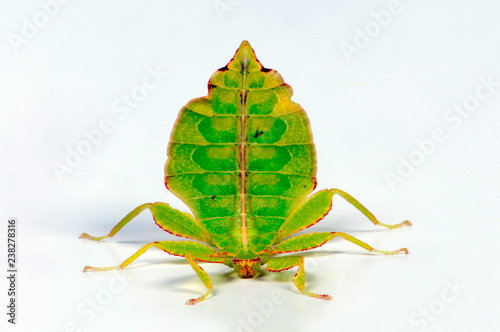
(368, 109)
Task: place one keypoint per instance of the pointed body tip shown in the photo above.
(245, 45)
(245, 52)
(245, 55)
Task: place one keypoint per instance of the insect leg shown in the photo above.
(314, 240)
(205, 278)
(365, 211)
(169, 219)
(277, 264)
(315, 207)
(188, 249)
(126, 262)
(120, 225)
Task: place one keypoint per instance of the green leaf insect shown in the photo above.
(243, 160)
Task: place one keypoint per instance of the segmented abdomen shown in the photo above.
(204, 166)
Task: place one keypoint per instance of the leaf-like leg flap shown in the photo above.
(169, 219)
(277, 264)
(309, 212)
(314, 240)
(190, 250)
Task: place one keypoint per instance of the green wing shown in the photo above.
(242, 157)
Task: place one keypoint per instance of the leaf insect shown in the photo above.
(244, 162)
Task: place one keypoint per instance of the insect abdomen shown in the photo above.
(241, 185)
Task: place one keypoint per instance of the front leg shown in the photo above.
(277, 264)
(307, 242)
(192, 251)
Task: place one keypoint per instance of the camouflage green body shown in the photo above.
(242, 158)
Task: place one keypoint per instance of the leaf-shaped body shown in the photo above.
(242, 157)
(243, 160)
